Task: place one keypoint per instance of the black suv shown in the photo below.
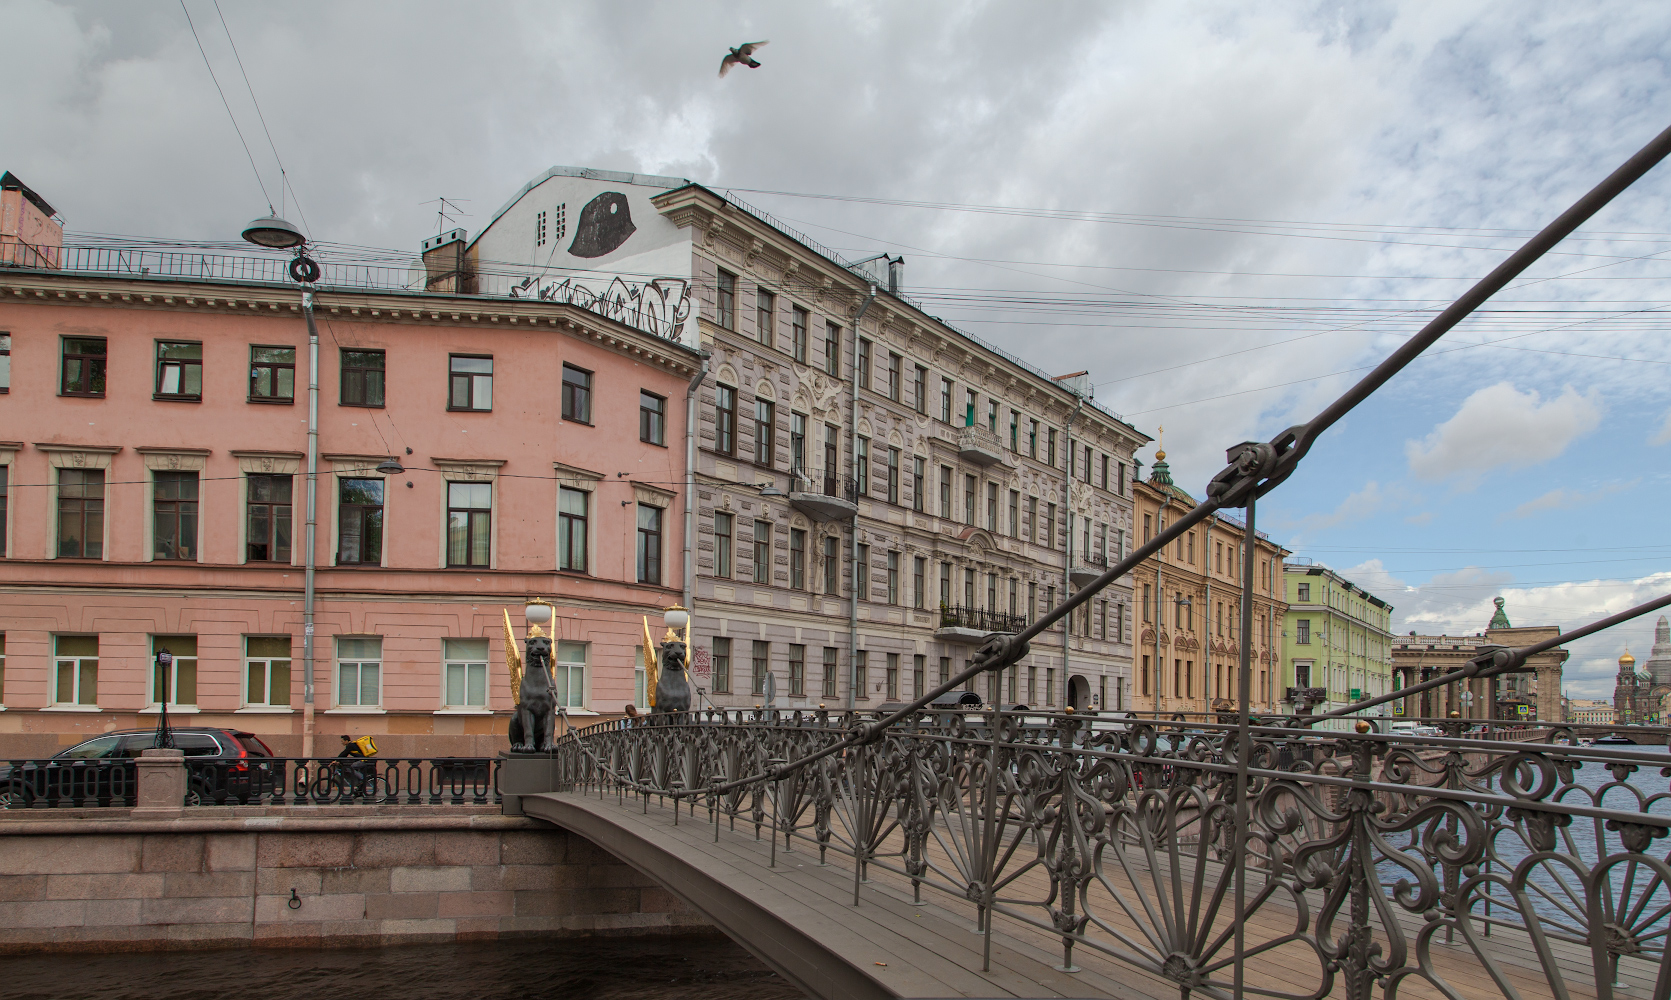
(221, 764)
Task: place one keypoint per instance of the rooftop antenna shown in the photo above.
(442, 213)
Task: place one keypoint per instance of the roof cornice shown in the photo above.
(404, 308)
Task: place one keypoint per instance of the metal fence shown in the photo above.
(57, 783)
(980, 619)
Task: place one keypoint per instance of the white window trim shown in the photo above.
(486, 708)
(585, 673)
(169, 460)
(336, 676)
(243, 681)
(72, 457)
(587, 482)
(462, 470)
(354, 467)
(272, 463)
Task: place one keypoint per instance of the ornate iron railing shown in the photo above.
(1367, 862)
(980, 619)
(57, 783)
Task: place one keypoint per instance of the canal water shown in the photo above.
(686, 968)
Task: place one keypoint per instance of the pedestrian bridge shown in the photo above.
(998, 854)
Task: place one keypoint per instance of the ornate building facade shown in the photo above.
(1530, 696)
(1189, 596)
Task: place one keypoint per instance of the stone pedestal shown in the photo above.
(161, 783)
(525, 774)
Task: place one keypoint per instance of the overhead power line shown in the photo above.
(226, 104)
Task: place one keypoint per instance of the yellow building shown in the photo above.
(1189, 599)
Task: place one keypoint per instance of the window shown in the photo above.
(174, 515)
(861, 572)
(917, 467)
(1033, 519)
(469, 524)
(992, 591)
(797, 442)
(560, 224)
(832, 457)
(464, 665)
(1104, 477)
(919, 389)
(4, 477)
(1302, 631)
(267, 534)
(992, 507)
(797, 670)
(1050, 526)
(761, 662)
(470, 379)
(182, 674)
(892, 677)
(570, 674)
(969, 500)
(722, 545)
(946, 491)
(5, 362)
(893, 475)
(992, 416)
(863, 363)
(76, 666)
(832, 565)
(267, 671)
(577, 394)
(722, 665)
(80, 513)
(359, 670)
(1050, 686)
(272, 374)
(797, 333)
(945, 584)
(725, 420)
(1015, 586)
(362, 378)
(919, 667)
(359, 522)
(968, 588)
(797, 558)
(83, 367)
(571, 529)
(1033, 604)
(861, 670)
(765, 432)
(1122, 471)
(1015, 513)
(893, 577)
(894, 361)
(919, 597)
(765, 317)
(861, 467)
(970, 398)
(829, 672)
(726, 300)
(1050, 454)
(832, 350)
(649, 544)
(945, 669)
(1015, 431)
(1032, 439)
(1304, 593)
(539, 230)
(946, 399)
(763, 552)
(1302, 675)
(1192, 548)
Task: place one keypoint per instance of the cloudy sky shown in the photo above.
(1225, 211)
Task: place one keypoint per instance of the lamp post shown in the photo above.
(165, 736)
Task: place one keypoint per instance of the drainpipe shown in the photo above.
(853, 535)
(690, 485)
(1207, 612)
(309, 560)
(1067, 559)
(1159, 557)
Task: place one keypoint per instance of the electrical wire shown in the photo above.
(227, 105)
(284, 177)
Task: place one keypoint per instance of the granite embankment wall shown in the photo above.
(98, 880)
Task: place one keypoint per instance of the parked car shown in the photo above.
(220, 764)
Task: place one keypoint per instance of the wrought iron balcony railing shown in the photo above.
(980, 619)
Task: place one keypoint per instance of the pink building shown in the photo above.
(153, 437)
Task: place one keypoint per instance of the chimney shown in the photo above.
(446, 267)
(31, 234)
(896, 275)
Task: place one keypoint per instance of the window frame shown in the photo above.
(96, 367)
(893, 476)
(272, 368)
(765, 432)
(181, 660)
(765, 317)
(720, 654)
(832, 349)
(569, 523)
(797, 558)
(5, 362)
(863, 363)
(84, 509)
(725, 419)
(652, 419)
(797, 670)
(179, 509)
(724, 541)
(895, 361)
(346, 372)
(477, 520)
(381, 519)
(267, 660)
(649, 539)
(472, 381)
(761, 549)
(272, 508)
(183, 364)
(82, 666)
(725, 299)
(563, 673)
(919, 390)
(799, 320)
(449, 660)
(831, 672)
(360, 663)
(577, 395)
(919, 466)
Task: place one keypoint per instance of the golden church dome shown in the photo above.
(1626, 659)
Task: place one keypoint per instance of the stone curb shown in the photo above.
(265, 824)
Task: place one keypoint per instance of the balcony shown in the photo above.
(973, 625)
(979, 445)
(825, 497)
(1087, 568)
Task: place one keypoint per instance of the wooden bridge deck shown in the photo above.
(798, 917)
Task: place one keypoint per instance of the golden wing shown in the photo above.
(652, 673)
(513, 661)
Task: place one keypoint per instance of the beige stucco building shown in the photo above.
(1533, 695)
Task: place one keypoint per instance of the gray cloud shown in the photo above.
(1500, 426)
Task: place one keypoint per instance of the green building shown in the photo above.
(1336, 641)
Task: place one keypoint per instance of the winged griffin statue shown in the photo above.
(535, 718)
(666, 682)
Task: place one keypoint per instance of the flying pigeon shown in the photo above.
(741, 54)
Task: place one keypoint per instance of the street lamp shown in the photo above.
(536, 611)
(165, 736)
(274, 233)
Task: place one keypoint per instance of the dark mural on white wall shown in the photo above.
(659, 306)
(604, 224)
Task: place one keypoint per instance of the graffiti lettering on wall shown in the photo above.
(659, 307)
